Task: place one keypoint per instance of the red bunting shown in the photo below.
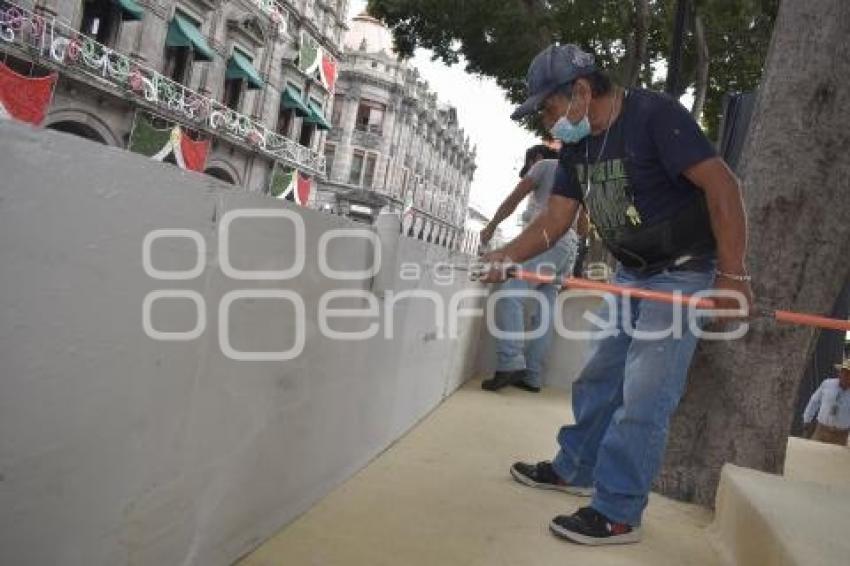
(303, 189)
(25, 98)
(194, 153)
(329, 71)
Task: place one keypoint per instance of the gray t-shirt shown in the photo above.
(542, 174)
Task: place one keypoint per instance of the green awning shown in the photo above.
(239, 67)
(316, 117)
(184, 33)
(130, 9)
(291, 98)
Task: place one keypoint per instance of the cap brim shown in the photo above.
(530, 106)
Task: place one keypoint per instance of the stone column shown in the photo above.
(342, 160)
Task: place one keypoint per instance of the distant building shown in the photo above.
(471, 240)
(247, 76)
(393, 144)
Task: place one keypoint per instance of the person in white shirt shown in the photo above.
(831, 405)
(520, 362)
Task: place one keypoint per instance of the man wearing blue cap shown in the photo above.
(670, 210)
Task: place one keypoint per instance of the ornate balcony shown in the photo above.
(53, 44)
(274, 11)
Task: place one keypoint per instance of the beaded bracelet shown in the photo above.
(733, 276)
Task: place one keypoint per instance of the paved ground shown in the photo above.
(442, 496)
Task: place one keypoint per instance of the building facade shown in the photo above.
(253, 78)
(470, 242)
(393, 143)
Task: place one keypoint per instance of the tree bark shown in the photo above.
(740, 398)
(637, 43)
(702, 67)
(536, 10)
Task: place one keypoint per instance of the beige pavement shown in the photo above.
(442, 496)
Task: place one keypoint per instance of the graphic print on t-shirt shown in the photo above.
(609, 200)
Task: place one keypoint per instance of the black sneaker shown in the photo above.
(525, 386)
(502, 379)
(589, 526)
(542, 476)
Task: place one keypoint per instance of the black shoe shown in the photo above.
(542, 476)
(589, 526)
(502, 379)
(525, 386)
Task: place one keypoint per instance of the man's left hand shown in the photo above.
(743, 303)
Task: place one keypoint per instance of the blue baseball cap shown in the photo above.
(552, 68)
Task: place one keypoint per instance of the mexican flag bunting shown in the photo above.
(309, 55)
(282, 183)
(194, 153)
(147, 139)
(291, 185)
(303, 189)
(25, 98)
(158, 144)
(328, 72)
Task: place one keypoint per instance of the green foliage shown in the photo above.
(498, 38)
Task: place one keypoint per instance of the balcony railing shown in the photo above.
(275, 12)
(58, 45)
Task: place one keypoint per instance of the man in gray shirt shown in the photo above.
(831, 405)
(520, 362)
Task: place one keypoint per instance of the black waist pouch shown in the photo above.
(666, 244)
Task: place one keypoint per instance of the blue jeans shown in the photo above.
(625, 395)
(529, 354)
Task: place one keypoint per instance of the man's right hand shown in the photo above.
(498, 263)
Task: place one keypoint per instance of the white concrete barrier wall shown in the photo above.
(116, 448)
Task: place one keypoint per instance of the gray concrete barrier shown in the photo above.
(119, 448)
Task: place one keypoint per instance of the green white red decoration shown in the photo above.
(312, 58)
(58, 43)
(327, 72)
(309, 55)
(159, 143)
(291, 185)
(25, 98)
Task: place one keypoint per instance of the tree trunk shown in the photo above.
(674, 81)
(702, 67)
(537, 10)
(740, 398)
(637, 44)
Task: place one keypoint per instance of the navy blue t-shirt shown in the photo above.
(636, 174)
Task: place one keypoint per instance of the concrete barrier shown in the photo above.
(120, 449)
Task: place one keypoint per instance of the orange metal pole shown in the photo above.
(802, 319)
(811, 320)
(588, 285)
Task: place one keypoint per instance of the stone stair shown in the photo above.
(800, 518)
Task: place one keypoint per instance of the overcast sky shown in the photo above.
(484, 114)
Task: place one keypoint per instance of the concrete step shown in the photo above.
(818, 462)
(766, 519)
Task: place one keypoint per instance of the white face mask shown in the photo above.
(568, 132)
